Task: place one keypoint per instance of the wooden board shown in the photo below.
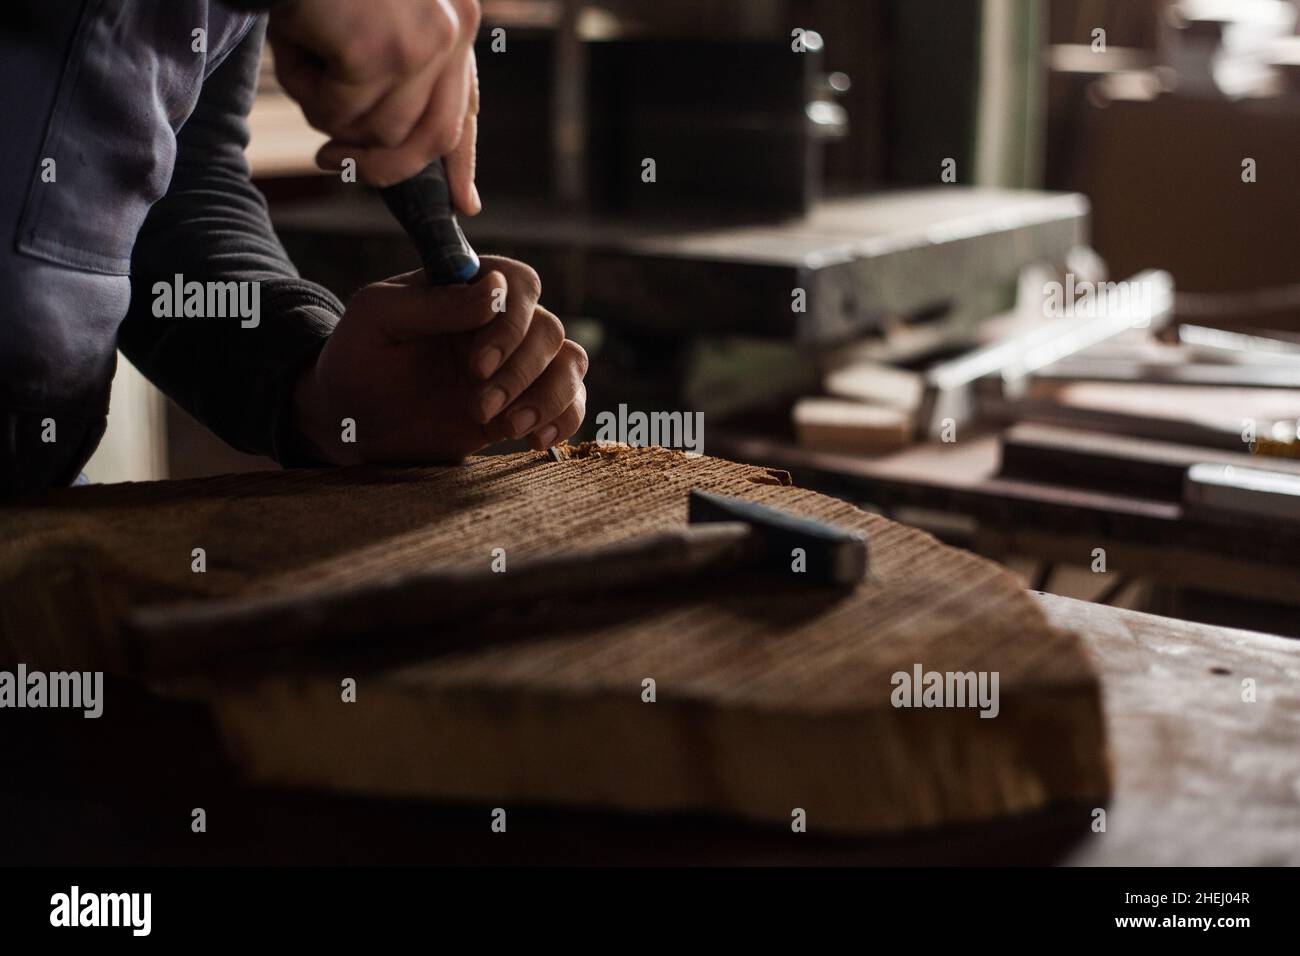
(769, 698)
(1130, 466)
(849, 427)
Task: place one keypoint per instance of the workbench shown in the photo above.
(1198, 776)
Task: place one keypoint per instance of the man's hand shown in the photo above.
(393, 82)
(436, 373)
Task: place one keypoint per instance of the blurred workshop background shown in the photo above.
(920, 170)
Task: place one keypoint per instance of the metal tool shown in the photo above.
(724, 535)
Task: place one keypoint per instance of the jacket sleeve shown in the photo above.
(212, 226)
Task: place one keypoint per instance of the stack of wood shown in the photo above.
(1171, 444)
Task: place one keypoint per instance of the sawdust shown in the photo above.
(611, 451)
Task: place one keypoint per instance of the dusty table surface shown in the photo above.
(1202, 777)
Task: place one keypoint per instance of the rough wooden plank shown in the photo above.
(768, 697)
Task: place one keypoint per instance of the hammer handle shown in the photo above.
(173, 636)
(422, 204)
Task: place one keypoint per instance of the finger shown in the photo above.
(462, 160)
(563, 427)
(542, 344)
(327, 104)
(407, 312)
(390, 121)
(414, 277)
(369, 82)
(553, 391)
(438, 133)
(381, 166)
(443, 125)
(493, 346)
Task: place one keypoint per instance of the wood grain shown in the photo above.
(768, 697)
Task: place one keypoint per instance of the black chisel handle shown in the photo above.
(422, 204)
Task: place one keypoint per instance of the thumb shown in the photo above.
(406, 310)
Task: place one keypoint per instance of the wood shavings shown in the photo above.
(773, 476)
(611, 451)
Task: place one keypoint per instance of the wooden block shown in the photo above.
(851, 428)
(768, 696)
(875, 383)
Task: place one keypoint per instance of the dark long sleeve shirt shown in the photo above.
(127, 169)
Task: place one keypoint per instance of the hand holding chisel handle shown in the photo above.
(422, 204)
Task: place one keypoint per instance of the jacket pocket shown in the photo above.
(130, 79)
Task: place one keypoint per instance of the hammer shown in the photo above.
(724, 535)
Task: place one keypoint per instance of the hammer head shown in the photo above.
(833, 555)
